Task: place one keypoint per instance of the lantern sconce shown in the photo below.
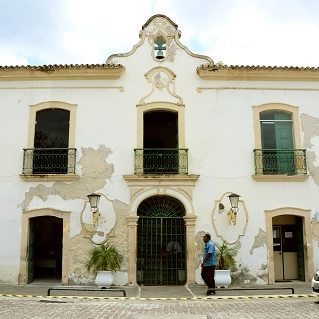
(234, 199)
(94, 203)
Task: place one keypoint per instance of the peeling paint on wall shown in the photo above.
(315, 230)
(120, 229)
(260, 241)
(78, 255)
(243, 277)
(199, 247)
(310, 127)
(80, 247)
(95, 172)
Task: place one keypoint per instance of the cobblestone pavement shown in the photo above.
(187, 291)
(165, 302)
(301, 307)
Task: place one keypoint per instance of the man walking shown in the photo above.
(209, 264)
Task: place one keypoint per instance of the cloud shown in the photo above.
(10, 55)
(249, 32)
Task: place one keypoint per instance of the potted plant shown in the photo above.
(104, 260)
(225, 263)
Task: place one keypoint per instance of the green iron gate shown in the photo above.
(159, 262)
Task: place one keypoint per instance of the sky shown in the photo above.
(235, 32)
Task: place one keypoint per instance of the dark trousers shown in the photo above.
(208, 275)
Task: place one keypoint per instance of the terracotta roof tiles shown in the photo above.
(61, 66)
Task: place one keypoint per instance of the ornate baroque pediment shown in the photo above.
(163, 86)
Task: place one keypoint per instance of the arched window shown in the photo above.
(278, 154)
(51, 142)
(277, 143)
(52, 128)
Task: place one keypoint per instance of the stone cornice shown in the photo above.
(163, 180)
(280, 178)
(62, 72)
(50, 178)
(235, 73)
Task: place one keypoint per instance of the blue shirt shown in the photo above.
(210, 249)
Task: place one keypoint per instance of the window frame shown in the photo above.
(296, 133)
(34, 108)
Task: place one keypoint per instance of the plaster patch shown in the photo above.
(260, 240)
(310, 127)
(78, 255)
(199, 247)
(121, 229)
(315, 230)
(80, 247)
(243, 276)
(95, 172)
(315, 143)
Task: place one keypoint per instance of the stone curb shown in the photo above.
(48, 298)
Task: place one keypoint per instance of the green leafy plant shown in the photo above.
(104, 257)
(225, 256)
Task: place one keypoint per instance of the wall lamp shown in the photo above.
(234, 199)
(94, 203)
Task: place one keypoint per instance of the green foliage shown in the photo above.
(225, 256)
(104, 257)
(220, 64)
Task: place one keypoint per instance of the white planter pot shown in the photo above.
(222, 278)
(104, 279)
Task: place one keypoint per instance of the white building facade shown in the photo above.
(164, 136)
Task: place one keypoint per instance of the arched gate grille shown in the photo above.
(160, 221)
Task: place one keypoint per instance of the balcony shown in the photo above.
(280, 162)
(46, 161)
(161, 161)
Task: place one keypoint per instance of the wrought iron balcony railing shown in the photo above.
(48, 161)
(278, 161)
(161, 161)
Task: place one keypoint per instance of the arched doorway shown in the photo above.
(45, 248)
(161, 256)
(288, 248)
(55, 221)
(295, 227)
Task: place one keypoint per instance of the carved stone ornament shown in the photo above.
(162, 80)
(223, 223)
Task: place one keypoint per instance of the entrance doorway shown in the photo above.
(161, 242)
(288, 248)
(45, 248)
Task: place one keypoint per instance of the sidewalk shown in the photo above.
(40, 290)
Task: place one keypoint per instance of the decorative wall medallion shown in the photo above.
(162, 79)
(222, 219)
(106, 221)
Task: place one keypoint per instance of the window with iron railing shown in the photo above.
(51, 135)
(161, 161)
(276, 161)
(41, 161)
